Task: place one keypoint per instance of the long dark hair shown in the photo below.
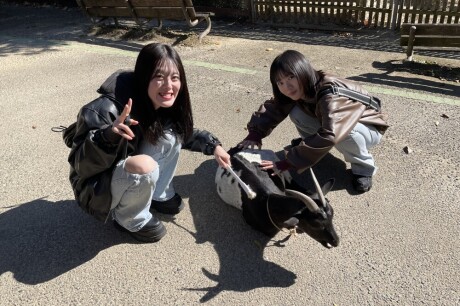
(152, 122)
(294, 63)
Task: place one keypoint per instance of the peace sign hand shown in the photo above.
(121, 124)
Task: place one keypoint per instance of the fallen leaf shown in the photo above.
(34, 127)
(445, 116)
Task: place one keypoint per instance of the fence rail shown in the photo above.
(354, 13)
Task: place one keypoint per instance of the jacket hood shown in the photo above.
(118, 86)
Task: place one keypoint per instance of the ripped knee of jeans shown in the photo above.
(140, 164)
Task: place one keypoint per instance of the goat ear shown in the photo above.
(291, 222)
(325, 189)
(328, 186)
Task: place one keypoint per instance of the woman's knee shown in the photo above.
(140, 164)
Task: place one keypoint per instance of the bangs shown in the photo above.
(165, 66)
(282, 69)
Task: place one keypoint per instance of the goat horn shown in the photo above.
(318, 188)
(312, 206)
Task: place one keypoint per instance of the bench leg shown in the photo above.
(410, 44)
(207, 30)
(160, 24)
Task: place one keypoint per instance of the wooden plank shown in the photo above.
(160, 12)
(457, 17)
(110, 12)
(432, 29)
(443, 11)
(451, 9)
(418, 7)
(433, 41)
(157, 3)
(429, 7)
(435, 9)
(106, 3)
(413, 11)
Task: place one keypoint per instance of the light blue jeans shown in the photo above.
(355, 147)
(132, 193)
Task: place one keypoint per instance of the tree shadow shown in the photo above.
(41, 240)
(430, 69)
(239, 248)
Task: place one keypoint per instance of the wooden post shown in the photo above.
(251, 9)
(410, 44)
(394, 14)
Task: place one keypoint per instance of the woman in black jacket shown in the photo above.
(127, 143)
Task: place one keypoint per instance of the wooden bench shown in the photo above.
(141, 10)
(429, 35)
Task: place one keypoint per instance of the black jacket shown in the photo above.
(95, 149)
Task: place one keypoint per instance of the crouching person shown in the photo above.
(328, 111)
(127, 143)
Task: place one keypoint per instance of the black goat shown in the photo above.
(268, 203)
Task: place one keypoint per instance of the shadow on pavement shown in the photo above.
(41, 240)
(240, 249)
(434, 70)
(242, 266)
(328, 167)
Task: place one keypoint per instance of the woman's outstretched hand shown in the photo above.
(121, 124)
(222, 157)
(249, 144)
(267, 165)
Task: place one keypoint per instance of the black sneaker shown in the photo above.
(171, 207)
(153, 231)
(362, 183)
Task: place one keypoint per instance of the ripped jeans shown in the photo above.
(355, 147)
(132, 193)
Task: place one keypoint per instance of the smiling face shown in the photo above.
(164, 85)
(290, 86)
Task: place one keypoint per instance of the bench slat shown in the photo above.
(159, 12)
(106, 3)
(431, 29)
(433, 41)
(157, 3)
(110, 12)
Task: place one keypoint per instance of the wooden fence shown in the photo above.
(354, 13)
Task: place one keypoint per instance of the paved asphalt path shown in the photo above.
(399, 242)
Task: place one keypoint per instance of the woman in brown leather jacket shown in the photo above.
(323, 121)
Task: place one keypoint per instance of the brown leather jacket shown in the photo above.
(337, 115)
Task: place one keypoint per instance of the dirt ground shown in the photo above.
(440, 69)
